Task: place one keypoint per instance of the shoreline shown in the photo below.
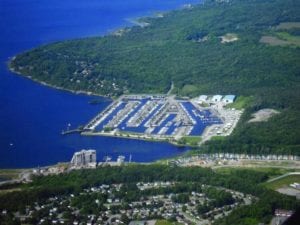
(43, 83)
(135, 21)
(82, 133)
(140, 137)
(135, 137)
(88, 93)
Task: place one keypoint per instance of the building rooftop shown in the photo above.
(229, 98)
(217, 97)
(202, 97)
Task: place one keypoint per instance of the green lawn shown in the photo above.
(288, 25)
(218, 138)
(190, 140)
(8, 174)
(272, 172)
(165, 222)
(241, 102)
(286, 181)
(293, 40)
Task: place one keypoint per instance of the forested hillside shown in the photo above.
(244, 47)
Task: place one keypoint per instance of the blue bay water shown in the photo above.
(31, 115)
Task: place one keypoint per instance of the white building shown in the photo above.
(84, 159)
(229, 99)
(120, 159)
(216, 98)
(202, 98)
(295, 185)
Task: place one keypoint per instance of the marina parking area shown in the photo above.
(155, 116)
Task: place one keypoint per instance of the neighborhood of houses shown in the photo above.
(211, 159)
(149, 201)
(112, 208)
(108, 205)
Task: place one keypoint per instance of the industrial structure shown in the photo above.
(228, 99)
(217, 98)
(84, 159)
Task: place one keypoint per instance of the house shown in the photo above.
(229, 99)
(216, 98)
(284, 213)
(295, 185)
(137, 223)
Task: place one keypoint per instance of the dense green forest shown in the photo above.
(188, 179)
(185, 47)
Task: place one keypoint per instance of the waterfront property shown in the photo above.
(164, 117)
(229, 98)
(153, 116)
(84, 159)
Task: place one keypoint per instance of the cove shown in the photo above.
(32, 116)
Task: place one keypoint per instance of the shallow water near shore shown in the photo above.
(32, 116)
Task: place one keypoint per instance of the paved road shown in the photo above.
(282, 176)
(171, 88)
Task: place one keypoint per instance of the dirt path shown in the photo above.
(263, 115)
(282, 176)
(171, 88)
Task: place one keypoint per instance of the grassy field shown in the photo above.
(8, 174)
(190, 140)
(165, 222)
(284, 182)
(288, 25)
(241, 102)
(272, 172)
(293, 40)
(218, 138)
(281, 39)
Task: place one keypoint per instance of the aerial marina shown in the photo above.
(163, 116)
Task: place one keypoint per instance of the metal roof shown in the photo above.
(229, 98)
(203, 97)
(217, 97)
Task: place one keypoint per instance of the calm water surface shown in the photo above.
(31, 115)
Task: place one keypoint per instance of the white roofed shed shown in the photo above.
(202, 98)
(217, 98)
(229, 98)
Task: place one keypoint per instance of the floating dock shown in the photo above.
(153, 115)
